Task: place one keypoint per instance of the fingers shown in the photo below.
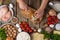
(35, 13)
(26, 8)
(38, 15)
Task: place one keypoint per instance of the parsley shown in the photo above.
(50, 35)
(2, 34)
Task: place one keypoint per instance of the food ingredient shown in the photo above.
(23, 36)
(2, 34)
(25, 27)
(11, 31)
(50, 35)
(52, 18)
(9, 38)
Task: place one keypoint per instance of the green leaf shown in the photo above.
(2, 34)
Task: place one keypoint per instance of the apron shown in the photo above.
(33, 3)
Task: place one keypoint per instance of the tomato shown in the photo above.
(22, 27)
(30, 31)
(49, 23)
(56, 20)
(24, 23)
(26, 26)
(26, 30)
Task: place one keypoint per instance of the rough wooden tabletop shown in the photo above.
(20, 17)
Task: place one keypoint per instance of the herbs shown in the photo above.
(46, 35)
(56, 37)
(2, 34)
(51, 35)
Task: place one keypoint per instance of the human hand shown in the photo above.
(38, 14)
(22, 5)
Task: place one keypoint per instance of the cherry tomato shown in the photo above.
(22, 27)
(48, 19)
(24, 23)
(56, 20)
(26, 30)
(30, 31)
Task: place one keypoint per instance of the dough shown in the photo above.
(37, 36)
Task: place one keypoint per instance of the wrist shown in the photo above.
(40, 9)
(20, 1)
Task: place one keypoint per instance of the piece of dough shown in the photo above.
(37, 36)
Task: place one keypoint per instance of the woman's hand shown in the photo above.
(39, 13)
(22, 5)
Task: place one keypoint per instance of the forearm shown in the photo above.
(20, 1)
(43, 4)
(22, 4)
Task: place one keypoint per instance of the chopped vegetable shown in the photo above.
(51, 35)
(2, 34)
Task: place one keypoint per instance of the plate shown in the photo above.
(11, 30)
(14, 20)
(57, 27)
(11, 14)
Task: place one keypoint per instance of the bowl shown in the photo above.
(14, 20)
(11, 10)
(55, 5)
(57, 26)
(11, 30)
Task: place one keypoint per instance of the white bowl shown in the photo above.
(57, 26)
(10, 9)
(23, 36)
(55, 5)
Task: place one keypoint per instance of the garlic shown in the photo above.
(51, 25)
(17, 25)
(58, 15)
(19, 30)
(51, 4)
(39, 30)
(10, 6)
